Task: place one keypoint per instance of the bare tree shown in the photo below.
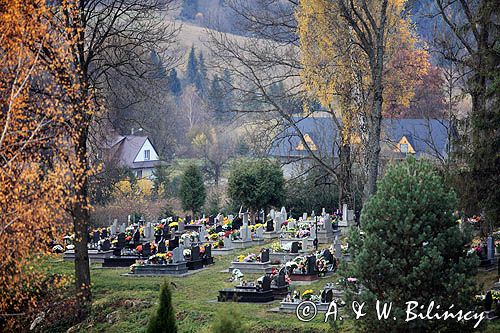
(110, 37)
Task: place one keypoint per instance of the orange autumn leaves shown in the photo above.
(34, 151)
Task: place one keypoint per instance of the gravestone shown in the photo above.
(218, 229)
(146, 250)
(326, 296)
(488, 301)
(284, 214)
(280, 279)
(106, 245)
(270, 226)
(187, 242)
(264, 255)
(178, 255)
(328, 256)
(259, 233)
(195, 253)
(208, 251)
(323, 212)
(203, 234)
(136, 237)
(162, 248)
(337, 247)
(158, 235)
(95, 237)
(104, 233)
(122, 227)
(311, 265)
(295, 247)
(228, 243)
(304, 217)
(237, 223)
(173, 243)
(121, 241)
(114, 227)
(491, 249)
(327, 223)
(181, 226)
(266, 283)
(211, 220)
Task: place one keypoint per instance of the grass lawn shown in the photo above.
(194, 299)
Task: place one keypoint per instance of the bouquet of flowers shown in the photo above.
(306, 295)
(187, 252)
(213, 237)
(251, 257)
(276, 247)
(303, 233)
(160, 258)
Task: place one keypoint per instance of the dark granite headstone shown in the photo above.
(264, 255)
(195, 253)
(218, 229)
(188, 219)
(311, 265)
(327, 296)
(175, 218)
(488, 301)
(280, 279)
(162, 248)
(146, 250)
(266, 283)
(106, 245)
(121, 241)
(136, 237)
(211, 220)
(104, 233)
(95, 237)
(237, 223)
(328, 256)
(270, 225)
(295, 247)
(208, 251)
(173, 243)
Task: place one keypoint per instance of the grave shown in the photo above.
(194, 261)
(176, 266)
(322, 303)
(245, 235)
(290, 250)
(248, 292)
(279, 286)
(257, 266)
(227, 249)
(308, 271)
(207, 256)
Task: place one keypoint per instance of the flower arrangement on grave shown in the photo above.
(158, 227)
(251, 257)
(298, 263)
(214, 237)
(321, 266)
(141, 231)
(495, 295)
(306, 295)
(276, 247)
(187, 253)
(174, 225)
(128, 238)
(303, 233)
(139, 248)
(161, 258)
(235, 234)
(202, 249)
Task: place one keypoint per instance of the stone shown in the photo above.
(106, 245)
(195, 253)
(295, 247)
(311, 265)
(178, 255)
(270, 226)
(259, 233)
(181, 225)
(284, 214)
(264, 255)
(328, 256)
(326, 296)
(122, 227)
(173, 243)
(104, 233)
(96, 237)
(266, 283)
(280, 279)
(337, 248)
(187, 242)
(304, 217)
(136, 237)
(228, 243)
(490, 248)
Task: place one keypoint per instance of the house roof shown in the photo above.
(126, 148)
(427, 136)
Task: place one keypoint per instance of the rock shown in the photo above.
(75, 328)
(135, 303)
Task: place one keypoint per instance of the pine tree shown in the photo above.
(174, 83)
(192, 67)
(192, 191)
(202, 74)
(189, 9)
(163, 321)
(412, 250)
(217, 99)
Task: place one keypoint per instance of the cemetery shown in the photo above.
(237, 166)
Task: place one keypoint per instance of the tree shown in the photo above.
(347, 48)
(409, 231)
(108, 40)
(189, 9)
(201, 79)
(161, 181)
(163, 321)
(192, 68)
(192, 191)
(469, 39)
(256, 184)
(174, 83)
(35, 157)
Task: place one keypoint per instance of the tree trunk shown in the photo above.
(81, 218)
(344, 179)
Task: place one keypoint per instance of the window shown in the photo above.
(139, 173)
(403, 148)
(147, 155)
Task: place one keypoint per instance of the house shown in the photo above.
(422, 138)
(134, 152)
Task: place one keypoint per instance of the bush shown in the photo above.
(229, 321)
(192, 190)
(163, 321)
(412, 250)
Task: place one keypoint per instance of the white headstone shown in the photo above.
(284, 214)
(304, 217)
(228, 243)
(259, 232)
(122, 228)
(337, 248)
(245, 219)
(272, 214)
(344, 213)
(323, 212)
(177, 254)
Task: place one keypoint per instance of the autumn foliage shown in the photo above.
(35, 152)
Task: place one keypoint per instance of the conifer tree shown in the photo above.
(192, 191)
(189, 9)
(192, 67)
(412, 250)
(163, 321)
(174, 83)
(202, 74)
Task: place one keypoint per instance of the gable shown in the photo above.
(310, 144)
(401, 145)
(146, 146)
